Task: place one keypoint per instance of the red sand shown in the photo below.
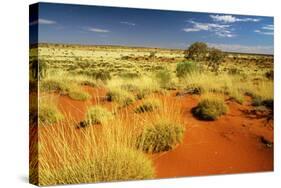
(231, 144)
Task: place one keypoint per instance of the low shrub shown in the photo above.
(52, 85)
(48, 113)
(184, 68)
(120, 96)
(148, 106)
(164, 78)
(210, 109)
(160, 136)
(97, 115)
(78, 94)
(113, 164)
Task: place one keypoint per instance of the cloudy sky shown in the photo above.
(60, 23)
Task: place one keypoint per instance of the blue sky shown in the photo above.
(80, 24)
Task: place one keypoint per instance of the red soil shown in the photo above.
(231, 144)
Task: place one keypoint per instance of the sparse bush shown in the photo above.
(184, 68)
(113, 164)
(215, 58)
(48, 113)
(161, 136)
(52, 85)
(98, 115)
(164, 78)
(197, 51)
(78, 94)
(120, 96)
(148, 106)
(210, 109)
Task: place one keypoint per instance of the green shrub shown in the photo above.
(48, 113)
(184, 68)
(113, 164)
(98, 115)
(210, 109)
(120, 96)
(79, 95)
(161, 136)
(164, 78)
(52, 85)
(148, 106)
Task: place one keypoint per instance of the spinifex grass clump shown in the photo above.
(210, 108)
(113, 164)
(69, 156)
(78, 94)
(120, 96)
(48, 112)
(148, 105)
(98, 115)
(160, 136)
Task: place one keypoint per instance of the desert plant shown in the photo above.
(197, 51)
(215, 57)
(164, 78)
(48, 112)
(184, 68)
(120, 96)
(112, 164)
(160, 136)
(148, 106)
(98, 115)
(78, 94)
(210, 108)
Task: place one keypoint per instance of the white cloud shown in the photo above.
(128, 23)
(221, 30)
(43, 21)
(232, 19)
(243, 48)
(265, 30)
(268, 27)
(98, 30)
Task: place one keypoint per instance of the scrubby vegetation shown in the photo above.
(120, 96)
(138, 95)
(210, 108)
(98, 115)
(160, 136)
(48, 112)
(148, 106)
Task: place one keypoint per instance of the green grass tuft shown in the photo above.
(210, 109)
(148, 105)
(161, 136)
(120, 96)
(98, 115)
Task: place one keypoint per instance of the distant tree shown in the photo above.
(197, 51)
(215, 58)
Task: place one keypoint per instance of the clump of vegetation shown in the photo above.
(197, 51)
(148, 106)
(184, 68)
(54, 85)
(98, 115)
(215, 57)
(120, 96)
(162, 135)
(78, 94)
(210, 108)
(269, 74)
(164, 78)
(114, 164)
(48, 112)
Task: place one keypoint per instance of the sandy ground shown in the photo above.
(232, 144)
